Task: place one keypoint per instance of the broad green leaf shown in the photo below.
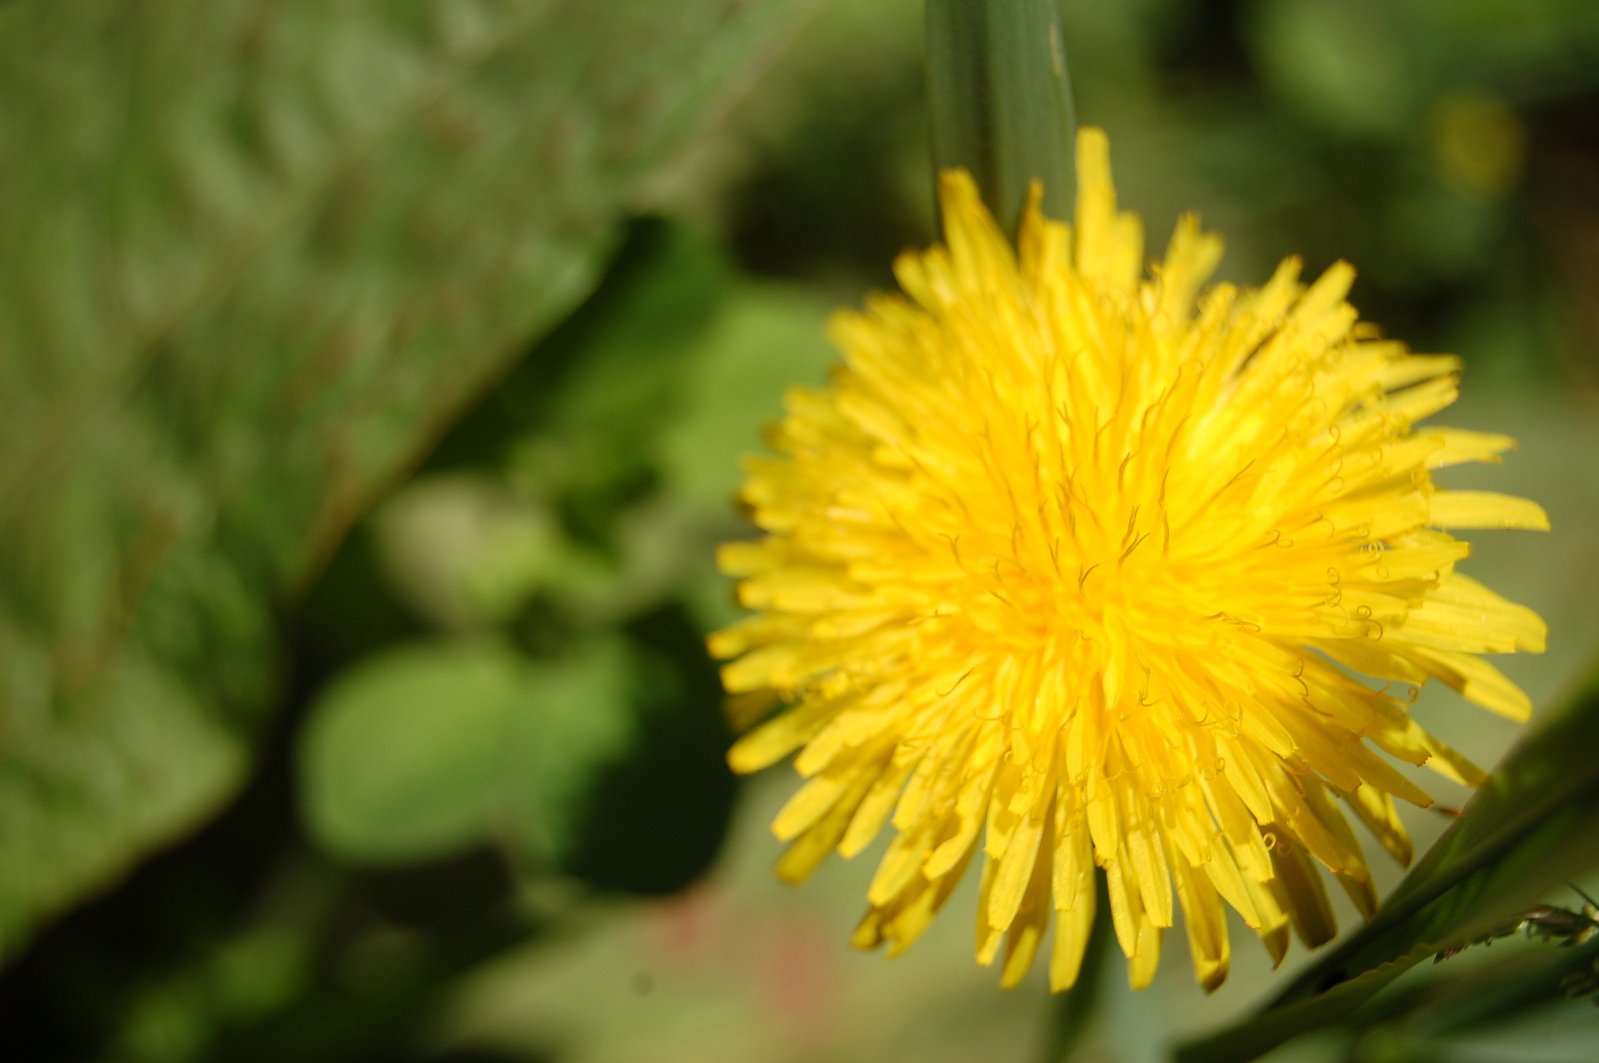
(1524, 834)
(255, 259)
(425, 751)
(404, 756)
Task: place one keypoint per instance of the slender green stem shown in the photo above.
(1000, 99)
(1074, 1009)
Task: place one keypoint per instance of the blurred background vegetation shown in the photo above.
(372, 384)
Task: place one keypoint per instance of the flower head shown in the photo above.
(1074, 568)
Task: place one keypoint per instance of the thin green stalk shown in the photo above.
(1073, 1011)
(1001, 100)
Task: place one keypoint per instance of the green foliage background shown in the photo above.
(372, 383)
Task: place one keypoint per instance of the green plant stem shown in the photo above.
(1073, 1011)
(1000, 100)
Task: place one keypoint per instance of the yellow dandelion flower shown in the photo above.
(1070, 568)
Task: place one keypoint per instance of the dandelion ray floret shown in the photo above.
(1073, 568)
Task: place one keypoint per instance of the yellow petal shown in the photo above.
(1486, 509)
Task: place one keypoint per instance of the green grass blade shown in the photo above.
(1527, 831)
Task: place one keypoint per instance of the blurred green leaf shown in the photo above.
(257, 258)
(587, 439)
(583, 719)
(605, 762)
(583, 411)
(1342, 64)
(627, 428)
(425, 751)
(174, 1019)
(403, 757)
(629, 348)
(1527, 831)
(765, 339)
(464, 549)
(656, 818)
(557, 495)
